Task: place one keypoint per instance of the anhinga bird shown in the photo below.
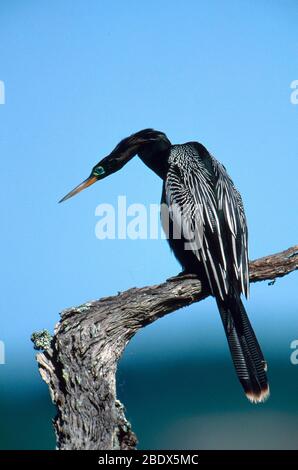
(203, 201)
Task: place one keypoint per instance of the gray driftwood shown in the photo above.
(79, 362)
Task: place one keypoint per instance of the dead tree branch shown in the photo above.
(79, 362)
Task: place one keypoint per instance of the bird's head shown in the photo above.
(122, 153)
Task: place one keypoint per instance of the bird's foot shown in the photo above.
(183, 275)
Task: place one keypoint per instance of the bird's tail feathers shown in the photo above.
(246, 353)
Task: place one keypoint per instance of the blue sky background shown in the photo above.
(79, 76)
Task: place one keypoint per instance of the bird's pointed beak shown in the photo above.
(88, 182)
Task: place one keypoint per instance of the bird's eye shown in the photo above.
(99, 171)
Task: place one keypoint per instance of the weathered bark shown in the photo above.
(79, 362)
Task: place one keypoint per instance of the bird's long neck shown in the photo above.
(156, 158)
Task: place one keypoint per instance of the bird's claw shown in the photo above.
(182, 276)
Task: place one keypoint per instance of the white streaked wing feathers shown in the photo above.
(230, 200)
(193, 194)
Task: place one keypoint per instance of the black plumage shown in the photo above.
(207, 232)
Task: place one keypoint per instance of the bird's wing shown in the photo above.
(208, 211)
(231, 205)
